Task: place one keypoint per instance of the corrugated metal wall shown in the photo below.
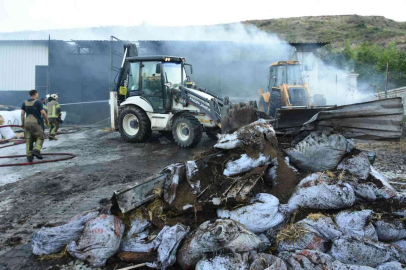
(17, 63)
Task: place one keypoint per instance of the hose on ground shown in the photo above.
(69, 156)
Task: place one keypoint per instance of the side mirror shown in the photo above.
(158, 69)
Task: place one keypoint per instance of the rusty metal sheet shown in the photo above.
(374, 120)
(132, 197)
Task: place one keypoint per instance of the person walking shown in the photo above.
(54, 115)
(34, 134)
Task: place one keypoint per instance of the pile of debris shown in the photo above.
(246, 204)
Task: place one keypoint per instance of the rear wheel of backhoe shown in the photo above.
(186, 130)
(134, 124)
(276, 102)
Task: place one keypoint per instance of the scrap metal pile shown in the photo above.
(247, 204)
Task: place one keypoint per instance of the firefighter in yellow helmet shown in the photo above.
(34, 133)
(54, 116)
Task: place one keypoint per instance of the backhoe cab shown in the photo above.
(155, 93)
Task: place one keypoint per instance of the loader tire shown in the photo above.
(187, 131)
(276, 102)
(134, 125)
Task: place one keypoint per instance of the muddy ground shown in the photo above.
(31, 196)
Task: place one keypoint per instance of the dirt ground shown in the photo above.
(31, 196)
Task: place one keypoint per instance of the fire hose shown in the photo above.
(69, 156)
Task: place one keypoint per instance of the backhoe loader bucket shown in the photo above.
(240, 114)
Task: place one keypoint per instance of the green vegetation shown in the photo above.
(337, 29)
(370, 62)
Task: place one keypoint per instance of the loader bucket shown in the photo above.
(237, 115)
(295, 117)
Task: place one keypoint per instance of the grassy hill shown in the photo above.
(336, 29)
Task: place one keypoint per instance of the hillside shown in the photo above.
(336, 29)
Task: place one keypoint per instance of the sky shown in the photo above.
(23, 15)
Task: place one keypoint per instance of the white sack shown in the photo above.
(390, 266)
(323, 227)
(356, 224)
(49, 240)
(136, 239)
(245, 164)
(389, 231)
(224, 262)
(313, 259)
(261, 215)
(100, 240)
(213, 236)
(362, 251)
(168, 239)
(358, 166)
(266, 261)
(318, 152)
(306, 240)
(317, 191)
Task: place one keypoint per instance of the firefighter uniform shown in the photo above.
(53, 113)
(34, 134)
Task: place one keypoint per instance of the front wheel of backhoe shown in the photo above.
(134, 124)
(187, 131)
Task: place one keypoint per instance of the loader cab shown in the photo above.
(285, 72)
(154, 77)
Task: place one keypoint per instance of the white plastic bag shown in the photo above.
(49, 240)
(261, 215)
(224, 262)
(100, 240)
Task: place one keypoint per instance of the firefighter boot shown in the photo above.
(37, 154)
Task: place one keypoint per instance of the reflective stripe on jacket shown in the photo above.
(53, 109)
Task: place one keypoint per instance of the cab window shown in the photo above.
(151, 82)
(173, 74)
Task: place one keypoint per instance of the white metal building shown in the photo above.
(18, 61)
